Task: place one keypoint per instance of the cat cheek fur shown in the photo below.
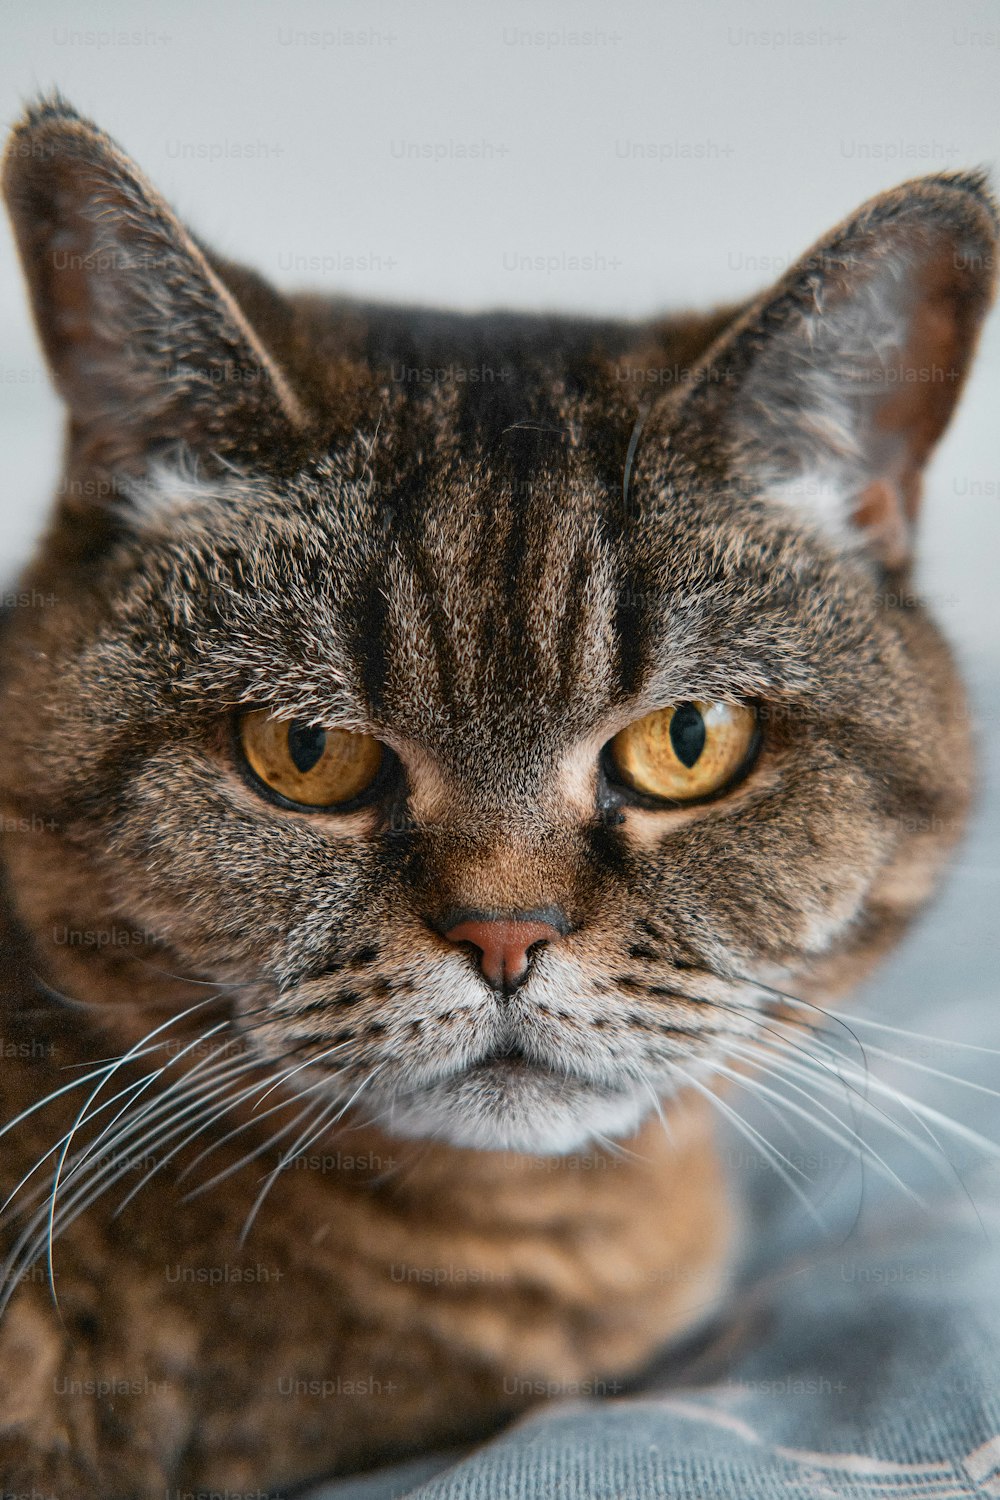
(492, 578)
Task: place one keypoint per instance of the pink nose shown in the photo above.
(505, 944)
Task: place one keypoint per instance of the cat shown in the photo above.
(434, 748)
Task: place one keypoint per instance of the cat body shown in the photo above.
(341, 1112)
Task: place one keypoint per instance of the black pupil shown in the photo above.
(306, 744)
(687, 734)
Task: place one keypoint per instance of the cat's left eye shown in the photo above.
(687, 752)
(307, 765)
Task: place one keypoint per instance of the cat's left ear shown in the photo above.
(148, 344)
(830, 392)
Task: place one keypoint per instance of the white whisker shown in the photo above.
(837, 1135)
(769, 1152)
(303, 1143)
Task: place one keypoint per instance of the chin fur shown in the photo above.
(499, 1108)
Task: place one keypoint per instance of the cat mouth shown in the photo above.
(513, 1059)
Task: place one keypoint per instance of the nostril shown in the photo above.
(505, 943)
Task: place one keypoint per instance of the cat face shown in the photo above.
(505, 745)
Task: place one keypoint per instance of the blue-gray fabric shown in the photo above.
(871, 1372)
(859, 1353)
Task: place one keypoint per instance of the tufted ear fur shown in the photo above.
(147, 343)
(831, 391)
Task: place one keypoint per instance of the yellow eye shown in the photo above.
(686, 752)
(305, 764)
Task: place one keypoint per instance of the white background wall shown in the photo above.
(762, 125)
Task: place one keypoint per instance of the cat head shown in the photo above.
(502, 741)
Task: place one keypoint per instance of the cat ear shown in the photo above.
(147, 344)
(831, 390)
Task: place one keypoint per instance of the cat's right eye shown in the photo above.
(307, 765)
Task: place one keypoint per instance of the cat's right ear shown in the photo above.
(148, 346)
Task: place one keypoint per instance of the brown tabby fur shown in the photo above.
(493, 575)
